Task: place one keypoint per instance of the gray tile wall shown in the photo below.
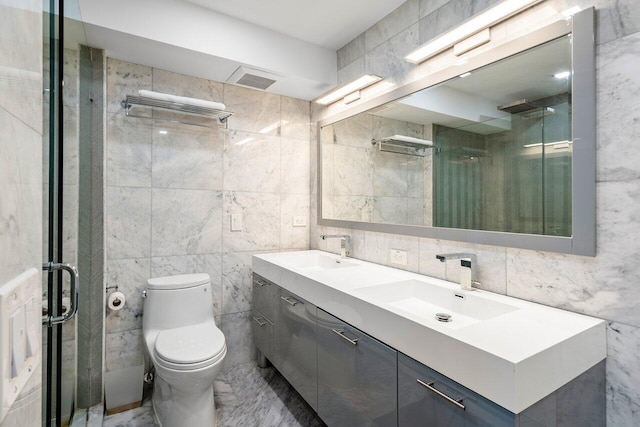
(21, 166)
(169, 198)
(90, 318)
(604, 286)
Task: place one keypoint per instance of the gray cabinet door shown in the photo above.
(357, 376)
(263, 299)
(263, 314)
(294, 345)
(262, 328)
(427, 398)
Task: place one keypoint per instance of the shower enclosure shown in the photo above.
(516, 180)
(63, 35)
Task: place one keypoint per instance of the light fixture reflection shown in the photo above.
(562, 74)
(272, 126)
(548, 144)
(341, 92)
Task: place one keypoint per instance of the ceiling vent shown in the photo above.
(255, 79)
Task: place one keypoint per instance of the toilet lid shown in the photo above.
(190, 344)
(180, 281)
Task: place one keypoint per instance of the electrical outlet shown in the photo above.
(398, 257)
(236, 222)
(300, 221)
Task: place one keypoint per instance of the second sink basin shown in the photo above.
(315, 262)
(421, 301)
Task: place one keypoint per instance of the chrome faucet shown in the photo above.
(468, 263)
(344, 242)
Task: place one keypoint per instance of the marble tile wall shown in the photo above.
(604, 286)
(21, 166)
(170, 191)
(365, 184)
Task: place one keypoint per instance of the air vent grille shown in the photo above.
(254, 81)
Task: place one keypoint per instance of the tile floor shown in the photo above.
(245, 396)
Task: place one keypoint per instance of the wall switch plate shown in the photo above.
(20, 316)
(300, 221)
(236, 222)
(398, 257)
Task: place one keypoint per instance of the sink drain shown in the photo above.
(443, 317)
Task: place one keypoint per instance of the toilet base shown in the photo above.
(178, 408)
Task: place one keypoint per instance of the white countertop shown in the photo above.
(514, 359)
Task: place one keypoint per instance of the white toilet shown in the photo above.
(185, 346)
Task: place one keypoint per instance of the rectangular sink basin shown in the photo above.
(315, 262)
(426, 303)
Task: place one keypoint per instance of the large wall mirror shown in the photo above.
(502, 153)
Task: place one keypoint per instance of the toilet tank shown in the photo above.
(176, 301)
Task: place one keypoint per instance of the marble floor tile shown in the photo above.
(137, 417)
(245, 395)
(266, 400)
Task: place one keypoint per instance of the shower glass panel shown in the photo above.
(516, 180)
(62, 37)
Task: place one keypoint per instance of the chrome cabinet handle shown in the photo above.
(74, 284)
(260, 282)
(261, 321)
(340, 333)
(290, 300)
(429, 386)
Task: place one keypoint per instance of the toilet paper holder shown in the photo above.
(106, 290)
(116, 300)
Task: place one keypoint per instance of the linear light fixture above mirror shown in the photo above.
(343, 91)
(482, 21)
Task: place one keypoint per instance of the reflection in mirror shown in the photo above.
(488, 150)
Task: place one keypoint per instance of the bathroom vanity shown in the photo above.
(361, 344)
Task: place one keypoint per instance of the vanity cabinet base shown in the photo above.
(351, 379)
(425, 397)
(357, 376)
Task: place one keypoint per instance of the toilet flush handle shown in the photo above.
(144, 293)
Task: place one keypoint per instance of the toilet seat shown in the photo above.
(190, 347)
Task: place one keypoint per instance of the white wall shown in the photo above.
(605, 286)
(203, 43)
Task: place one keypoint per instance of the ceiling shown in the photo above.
(295, 40)
(327, 23)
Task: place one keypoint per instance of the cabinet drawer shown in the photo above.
(357, 376)
(426, 397)
(262, 328)
(294, 345)
(263, 300)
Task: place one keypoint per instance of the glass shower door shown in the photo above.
(60, 211)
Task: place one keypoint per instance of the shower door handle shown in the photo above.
(74, 283)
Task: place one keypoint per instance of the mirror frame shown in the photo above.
(583, 239)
